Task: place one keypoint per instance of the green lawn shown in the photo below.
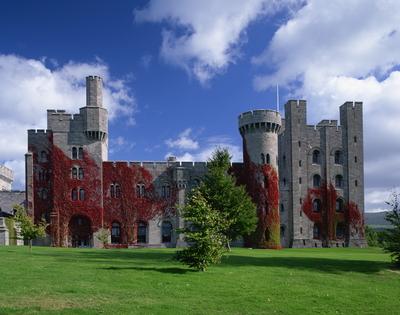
(148, 281)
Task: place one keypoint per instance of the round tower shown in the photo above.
(259, 130)
(94, 91)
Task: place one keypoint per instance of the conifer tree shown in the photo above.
(392, 235)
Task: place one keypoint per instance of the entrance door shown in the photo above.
(80, 231)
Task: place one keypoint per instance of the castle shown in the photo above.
(307, 181)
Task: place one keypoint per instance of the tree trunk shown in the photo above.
(30, 245)
(228, 245)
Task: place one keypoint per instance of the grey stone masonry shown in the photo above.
(6, 178)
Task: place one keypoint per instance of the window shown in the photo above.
(339, 181)
(74, 153)
(316, 232)
(140, 190)
(338, 157)
(356, 183)
(301, 230)
(166, 232)
(316, 157)
(340, 230)
(299, 163)
(80, 153)
(81, 194)
(74, 173)
(284, 161)
(262, 158)
(115, 233)
(268, 159)
(112, 191)
(355, 139)
(299, 144)
(301, 213)
(80, 173)
(142, 232)
(165, 191)
(282, 231)
(74, 194)
(299, 180)
(317, 205)
(316, 180)
(284, 181)
(43, 156)
(355, 159)
(43, 194)
(117, 191)
(339, 205)
(301, 200)
(282, 207)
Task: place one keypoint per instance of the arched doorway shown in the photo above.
(80, 231)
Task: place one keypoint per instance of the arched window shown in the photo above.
(316, 157)
(115, 233)
(117, 191)
(338, 157)
(74, 173)
(339, 181)
(339, 205)
(80, 173)
(80, 153)
(74, 194)
(316, 231)
(268, 159)
(340, 230)
(166, 232)
(317, 205)
(282, 207)
(140, 190)
(262, 158)
(43, 156)
(142, 232)
(112, 191)
(81, 194)
(316, 180)
(74, 153)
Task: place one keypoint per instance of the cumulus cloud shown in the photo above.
(204, 151)
(29, 87)
(184, 141)
(204, 37)
(330, 52)
(119, 144)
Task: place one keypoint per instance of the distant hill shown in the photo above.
(376, 219)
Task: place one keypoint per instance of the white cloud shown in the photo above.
(204, 152)
(183, 141)
(204, 37)
(29, 87)
(336, 51)
(120, 144)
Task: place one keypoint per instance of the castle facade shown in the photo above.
(307, 181)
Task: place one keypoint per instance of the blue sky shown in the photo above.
(178, 73)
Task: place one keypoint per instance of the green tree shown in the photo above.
(392, 236)
(29, 230)
(372, 236)
(232, 201)
(102, 235)
(202, 233)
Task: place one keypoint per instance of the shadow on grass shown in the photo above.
(327, 265)
(158, 258)
(172, 270)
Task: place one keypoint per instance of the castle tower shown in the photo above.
(259, 130)
(6, 178)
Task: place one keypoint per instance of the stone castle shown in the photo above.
(307, 181)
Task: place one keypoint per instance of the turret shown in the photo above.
(94, 93)
(259, 129)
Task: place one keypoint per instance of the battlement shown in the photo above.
(264, 120)
(38, 132)
(154, 164)
(94, 93)
(352, 105)
(327, 123)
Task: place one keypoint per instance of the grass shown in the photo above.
(148, 281)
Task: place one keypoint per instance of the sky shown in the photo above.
(178, 73)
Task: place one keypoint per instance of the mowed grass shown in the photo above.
(149, 281)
